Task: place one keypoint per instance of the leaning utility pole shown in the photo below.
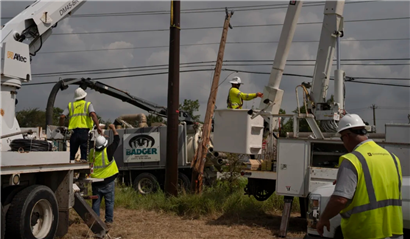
(200, 154)
(374, 113)
(171, 172)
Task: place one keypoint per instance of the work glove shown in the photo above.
(259, 94)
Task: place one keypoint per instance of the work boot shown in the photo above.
(108, 224)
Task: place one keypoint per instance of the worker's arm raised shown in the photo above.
(93, 115)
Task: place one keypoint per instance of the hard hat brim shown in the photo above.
(235, 82)
(80, 97)
(351, 127)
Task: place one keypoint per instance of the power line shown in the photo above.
(183, 64)
(197, 10)
(218, 27)
(148, 68)
(224, 69)
(215, 43)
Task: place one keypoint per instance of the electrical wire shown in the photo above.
(27, 145)
(212, 43)
(218, 27)
(185, 64)
(198, 10)
(224, 69)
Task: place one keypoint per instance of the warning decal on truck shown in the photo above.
(141, 147)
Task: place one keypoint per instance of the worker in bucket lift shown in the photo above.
(81, 116)
(236, 97)
(104, 167)
(368, 187)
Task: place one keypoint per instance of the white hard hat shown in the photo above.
(79, 93)
(350, 121)
(236, 80)
(101, 142)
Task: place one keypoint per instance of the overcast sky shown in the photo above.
(393, 102)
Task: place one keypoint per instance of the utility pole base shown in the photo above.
(285, 216)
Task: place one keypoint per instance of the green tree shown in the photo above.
(190, 106)
(35, 117)
(151, 118)
(288, 126)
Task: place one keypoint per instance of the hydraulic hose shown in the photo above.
(52, 97)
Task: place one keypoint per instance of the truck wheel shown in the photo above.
(183, 182)
(33, 213)
(3, 222)
(145, 183)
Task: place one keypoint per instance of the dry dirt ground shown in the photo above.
(130, 224)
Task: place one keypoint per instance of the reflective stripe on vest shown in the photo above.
(373, 203)
(103, 169)
(79, 118)
(79, 114)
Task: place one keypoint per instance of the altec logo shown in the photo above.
(16, 56)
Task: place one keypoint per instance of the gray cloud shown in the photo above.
(196, 85)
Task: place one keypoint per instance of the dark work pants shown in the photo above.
(79, 139)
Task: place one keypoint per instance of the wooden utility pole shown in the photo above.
(374, 113)
(199, 159)
(171, 172)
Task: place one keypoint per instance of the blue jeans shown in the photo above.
(106, 191)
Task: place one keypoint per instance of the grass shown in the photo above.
(222, 199)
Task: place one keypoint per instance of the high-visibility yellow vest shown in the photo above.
(375, 210)
(79, 116)
(103, 168)
(236, 97)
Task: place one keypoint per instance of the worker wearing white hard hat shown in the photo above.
(368, 187)
(104, 167)
(236, 97)
(82, 117)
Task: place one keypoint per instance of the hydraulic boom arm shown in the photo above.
(111, 91)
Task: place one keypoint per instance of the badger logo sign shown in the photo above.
(142, 147)
(141, 141)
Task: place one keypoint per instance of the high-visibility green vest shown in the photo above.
(79, 116)
(375, 210)
(103, 168)
(236, 97)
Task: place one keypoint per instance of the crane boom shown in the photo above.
(272, 91)
(21, 38)
(113, 92)
(332, 29)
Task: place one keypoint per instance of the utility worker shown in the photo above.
(368, 187)
(105, 168)
(236, 97)
(81, 117)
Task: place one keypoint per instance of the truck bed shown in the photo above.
(31, 162)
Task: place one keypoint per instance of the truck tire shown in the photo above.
(3, 222)
(184, 184)
(145, 183)
(33, 213)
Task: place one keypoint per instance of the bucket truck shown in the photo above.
(37, 180)
(302, 163)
